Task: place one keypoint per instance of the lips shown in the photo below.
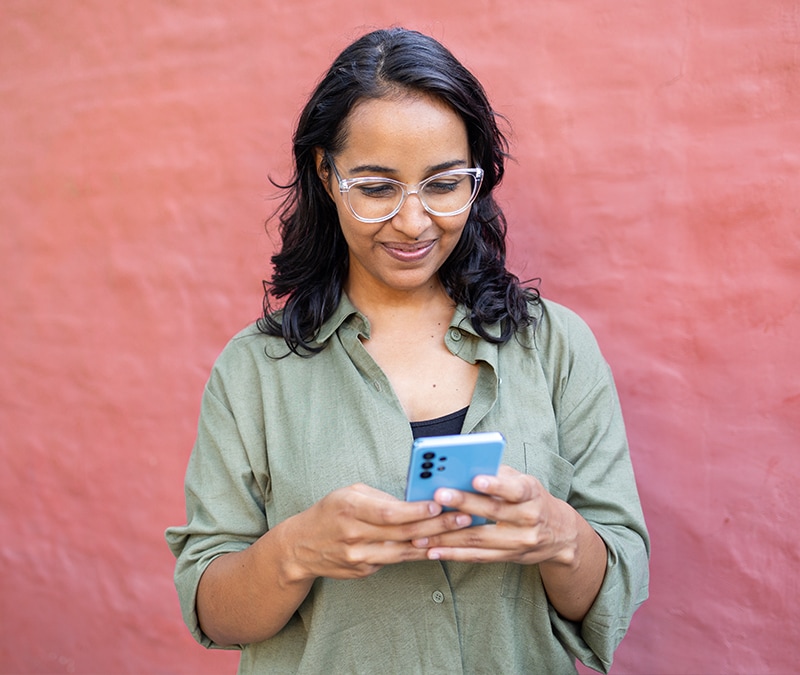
(409, 251)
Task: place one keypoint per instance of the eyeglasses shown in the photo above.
(372, 200)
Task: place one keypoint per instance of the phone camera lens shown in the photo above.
(429, 455)
(425, 474)
(427, 465)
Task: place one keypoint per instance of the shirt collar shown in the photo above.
(461, 321)
(343, 312)
(347, 312)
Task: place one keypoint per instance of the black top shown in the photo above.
(441, 426)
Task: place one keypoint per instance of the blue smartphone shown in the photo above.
(452, 461)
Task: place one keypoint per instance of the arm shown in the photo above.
(248, 596)
(573, 582)
(240, 578)
(225, 610)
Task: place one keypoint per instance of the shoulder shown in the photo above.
(559, 328)
(252, 343)
(565, 348)
(244, 345)
(244, 359)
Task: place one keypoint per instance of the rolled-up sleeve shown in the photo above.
(224, 498)
(592, 438)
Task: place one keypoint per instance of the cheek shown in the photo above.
(453, 238)
(346, 226)
(454, 230)
(357, 235)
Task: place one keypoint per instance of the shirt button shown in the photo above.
(438, 597)
(455, 334)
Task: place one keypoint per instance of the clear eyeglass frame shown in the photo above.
(345, 185)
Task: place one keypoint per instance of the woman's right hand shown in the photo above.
(354, 531)
(249, 595)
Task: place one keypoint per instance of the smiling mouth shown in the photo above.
(409, 252)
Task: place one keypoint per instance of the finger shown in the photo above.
(474, 555)
(379, 508)
(525, 514)
(387, 553)
(481, 537)
(509, 485)
(466, 502)
(369, 491)
(491, 543)
(366, 559)
(421, 533)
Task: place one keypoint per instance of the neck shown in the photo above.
(368, 296)
(429, 303)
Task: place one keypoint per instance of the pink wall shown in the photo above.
(655, 190)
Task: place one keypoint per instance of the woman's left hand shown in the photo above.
(530, 525)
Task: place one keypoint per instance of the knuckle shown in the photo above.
(493, 509)
(339, 503)
(387, 513)
(407, 532)
(350, 533)
(525, 489)
(529, 538)
(353, 557)
(409, 553)
(451, 520)
(473, 539)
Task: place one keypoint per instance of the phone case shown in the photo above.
(452, 461)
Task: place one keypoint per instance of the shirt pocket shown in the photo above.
(550, 469)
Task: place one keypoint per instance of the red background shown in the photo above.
(655, 191)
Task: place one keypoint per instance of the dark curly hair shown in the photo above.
(311, 268)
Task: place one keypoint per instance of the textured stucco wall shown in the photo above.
(655, 191)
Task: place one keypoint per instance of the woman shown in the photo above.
(398, 319)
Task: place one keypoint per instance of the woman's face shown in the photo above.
(408, 138)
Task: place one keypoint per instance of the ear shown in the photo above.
(323, 170)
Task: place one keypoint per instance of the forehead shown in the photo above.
(396, 127)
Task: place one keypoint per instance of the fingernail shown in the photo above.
(481, 483)
(463, 520)
(445, 496)
(433, 555)
(421, 543)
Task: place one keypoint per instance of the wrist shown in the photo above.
(291, 570)
(571, 528)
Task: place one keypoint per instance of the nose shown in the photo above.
(412, 219)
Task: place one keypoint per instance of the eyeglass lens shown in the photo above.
(445, 194)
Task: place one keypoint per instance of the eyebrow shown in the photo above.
(377, 168)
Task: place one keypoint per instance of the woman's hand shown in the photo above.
(354, 531)
(350, 533)
(531, 527)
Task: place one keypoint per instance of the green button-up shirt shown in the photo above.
(278, 434)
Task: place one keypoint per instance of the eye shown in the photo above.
(377, 190)
(443, 186)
